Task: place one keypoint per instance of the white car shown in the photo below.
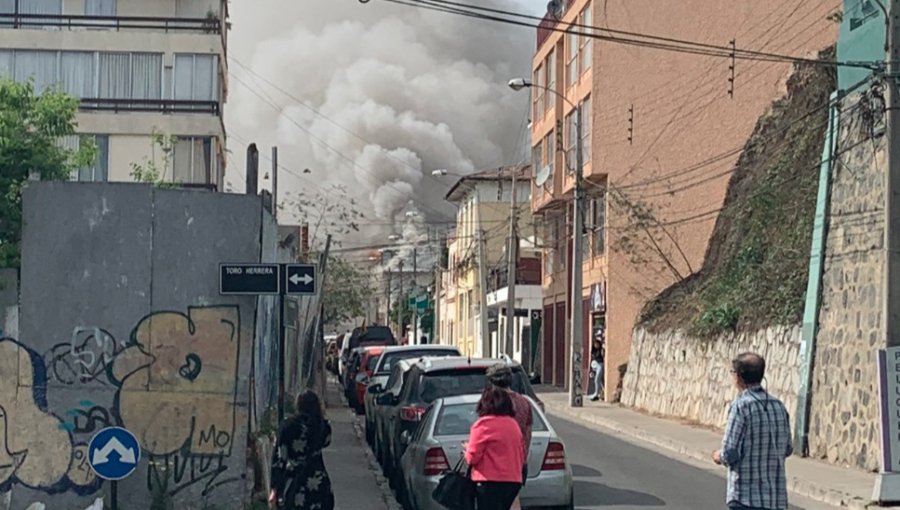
(437, 446)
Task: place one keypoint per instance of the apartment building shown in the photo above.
(479, 245)
(662, 131)
(141, 69)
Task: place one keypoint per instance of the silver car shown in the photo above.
(437, 446)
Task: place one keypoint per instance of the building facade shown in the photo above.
(479, 245)
(662, 131)
(150, 75)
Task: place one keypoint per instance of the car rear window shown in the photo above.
(451, 383)
(457, 419)
(392, 357)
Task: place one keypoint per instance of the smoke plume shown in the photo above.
(400, 92)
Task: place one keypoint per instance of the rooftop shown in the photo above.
(505, 173)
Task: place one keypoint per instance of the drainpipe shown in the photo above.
(814, 284)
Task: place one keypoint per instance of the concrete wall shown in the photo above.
(844, 424)
(675, 375)
(122, 324)
(9, 303)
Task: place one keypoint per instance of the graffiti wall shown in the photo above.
(121, 324)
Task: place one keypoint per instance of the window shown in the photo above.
(552, 246)
(561, 241)
(97, 172)
(586, 115)
(77, 74)
(586, 42)
(539, 76)
(130, 76)
(48, 7)
(192, 161)
(598, 223)
(7, 6)
(550, 154)
(569, 136)
(39, 66)
(550, 67)
(195, 77)
(100, 7)
(538, 158)
(572, 62)
(6, 64)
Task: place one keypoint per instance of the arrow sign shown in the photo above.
(300, 279)
(114, 453)
(126, 455)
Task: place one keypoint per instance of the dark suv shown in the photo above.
(427, 381)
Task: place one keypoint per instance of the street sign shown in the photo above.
(422, 303)
(114, 453)
(249, 279)
(300, 279)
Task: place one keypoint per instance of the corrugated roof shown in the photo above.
(465, 184)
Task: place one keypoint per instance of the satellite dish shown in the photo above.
(555, 9)
(543, 175)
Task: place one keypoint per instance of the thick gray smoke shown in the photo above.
(401, 92)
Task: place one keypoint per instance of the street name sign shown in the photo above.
(249, 279)
(300, 279)
(114, 453)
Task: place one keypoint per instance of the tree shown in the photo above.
(31, 127)
(347, 291)
(149, 170)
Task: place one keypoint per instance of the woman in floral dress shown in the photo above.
(299, 478)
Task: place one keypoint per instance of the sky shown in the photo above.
(364, 101)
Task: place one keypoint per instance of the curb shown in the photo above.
(797, 486)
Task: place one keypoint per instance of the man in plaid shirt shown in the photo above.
(757, 441)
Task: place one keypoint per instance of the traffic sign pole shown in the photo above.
(114, 495)
(282, 347)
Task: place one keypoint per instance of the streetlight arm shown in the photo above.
(521, 83)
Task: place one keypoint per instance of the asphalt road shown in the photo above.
(613, 473)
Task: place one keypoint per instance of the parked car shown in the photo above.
(368, 358)
(380, 417)
(437, 446)
(361, 337)
(379, 376)
(427, 381)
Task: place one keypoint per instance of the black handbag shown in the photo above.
(456, 490)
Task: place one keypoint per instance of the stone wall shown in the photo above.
(844, 409)
(675, 375)
(9, 303)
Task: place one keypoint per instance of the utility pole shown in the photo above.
(415, 293)
(402, 303)
(387, 300)
(275, 184)
(484, 330)
(887, 484)
(577, 318)
(512, 264)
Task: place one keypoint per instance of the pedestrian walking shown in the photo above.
(597, 367)
(501, 376)
(757, 441)
(494, 451)
(299, 478)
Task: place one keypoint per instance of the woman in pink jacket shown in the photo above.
(494, 451)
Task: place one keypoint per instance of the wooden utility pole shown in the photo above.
(512, 257)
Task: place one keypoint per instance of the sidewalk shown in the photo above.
(836, 486)
(354, 482)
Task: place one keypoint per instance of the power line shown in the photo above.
(637, 39)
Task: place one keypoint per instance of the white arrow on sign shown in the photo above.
(126, 455)
(296, 279)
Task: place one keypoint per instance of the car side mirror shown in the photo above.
(375, 389)
(405, 438)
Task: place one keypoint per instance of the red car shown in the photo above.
(368, 358)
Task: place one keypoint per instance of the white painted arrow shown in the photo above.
(295, 279)
(126, 455)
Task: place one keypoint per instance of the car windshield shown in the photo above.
(457, 419)
(371, 362)
(392, 357)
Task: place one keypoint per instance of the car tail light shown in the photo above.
(411, 413)
(555, 457)
(435, 462)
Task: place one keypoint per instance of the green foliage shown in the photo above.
(149, 170)
(30, 129)
(401, 306)
(347, 291)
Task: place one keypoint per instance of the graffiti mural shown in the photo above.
(84, 358)
(36, 451)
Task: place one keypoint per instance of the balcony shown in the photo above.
(163, 106)
(528, 272)
(546, 26)
(16, 21)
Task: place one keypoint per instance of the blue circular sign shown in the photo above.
(114, 453)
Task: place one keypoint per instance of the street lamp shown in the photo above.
(577, 317)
